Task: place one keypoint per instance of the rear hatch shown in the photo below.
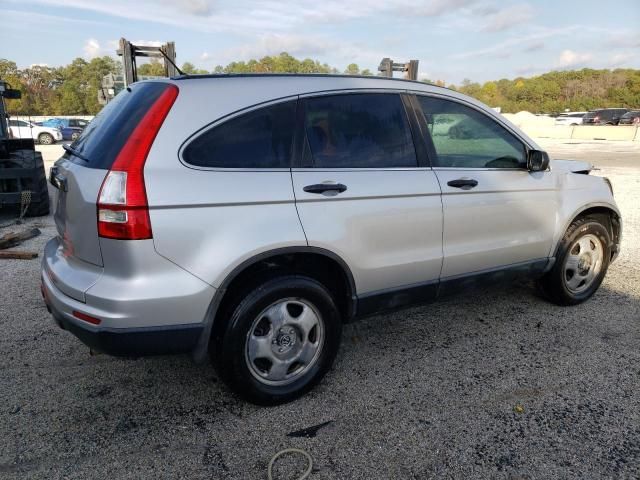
(79, 174)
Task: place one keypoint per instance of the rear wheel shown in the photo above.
(45, 139)
(279, 341)
(581, 263)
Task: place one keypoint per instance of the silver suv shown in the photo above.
(249, 216)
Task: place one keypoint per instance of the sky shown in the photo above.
(479, 40)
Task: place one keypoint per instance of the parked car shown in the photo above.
(604, 116)
(570, 118)
(254, 228)
(26, 129)
(632, 117)
(70, 127)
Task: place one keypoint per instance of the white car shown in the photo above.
(43, 135)
(570, 118)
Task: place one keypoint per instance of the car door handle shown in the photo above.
(325, 187)
(463, 183)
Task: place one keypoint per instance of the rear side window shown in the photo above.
(358, 131)
(258, 139)
(105, 136)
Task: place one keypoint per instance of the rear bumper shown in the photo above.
(139, 341)
(160, 311)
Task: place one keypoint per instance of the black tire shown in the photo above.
(229, 347)
(46, 139)
(554, 283)
(75, 136)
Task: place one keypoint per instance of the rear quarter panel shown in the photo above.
(209, 221)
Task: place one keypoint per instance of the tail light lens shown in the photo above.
(123, 210)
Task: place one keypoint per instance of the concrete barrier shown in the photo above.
(584, 132)
(604, 132)
(560, 131)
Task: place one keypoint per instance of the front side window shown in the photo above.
(365, 130)
(466, 138)
(257, 139)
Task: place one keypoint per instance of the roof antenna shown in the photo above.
(171, 61)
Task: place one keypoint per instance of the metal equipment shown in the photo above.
(128, 51)
(388, 66)
(113, 84)
(23, 182)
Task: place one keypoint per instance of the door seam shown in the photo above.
(295, 203)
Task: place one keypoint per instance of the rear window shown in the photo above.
(105, 136)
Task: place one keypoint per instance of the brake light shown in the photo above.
(123, 210)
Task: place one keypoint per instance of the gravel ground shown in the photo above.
(497, 384)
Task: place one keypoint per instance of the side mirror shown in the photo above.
(537, 161)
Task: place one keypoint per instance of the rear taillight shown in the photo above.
(123, 210)
(596, 119)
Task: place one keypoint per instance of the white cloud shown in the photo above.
(569, 58)
(621, 59)
(508, 18)
(499, 49)
(194, 7)
(534, 47)
(305, 46)
(91, 48)
(148, 43)
(257, 16)
(624, 39)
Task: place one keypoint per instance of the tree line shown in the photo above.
(73, 89)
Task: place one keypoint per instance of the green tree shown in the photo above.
(154, 68)
(352, 69)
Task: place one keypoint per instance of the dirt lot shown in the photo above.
(495, 384)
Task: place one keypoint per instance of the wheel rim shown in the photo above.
(284, 341)
(46, 139)
(583, 263)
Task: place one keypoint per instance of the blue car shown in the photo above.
(71, 127)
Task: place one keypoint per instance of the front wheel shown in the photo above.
(279, 340)
(581, 263)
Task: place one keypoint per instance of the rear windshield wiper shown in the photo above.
(74, 152)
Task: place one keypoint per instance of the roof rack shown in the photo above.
(311, 75)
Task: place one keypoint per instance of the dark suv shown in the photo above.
(632, 117)
(604, 116)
